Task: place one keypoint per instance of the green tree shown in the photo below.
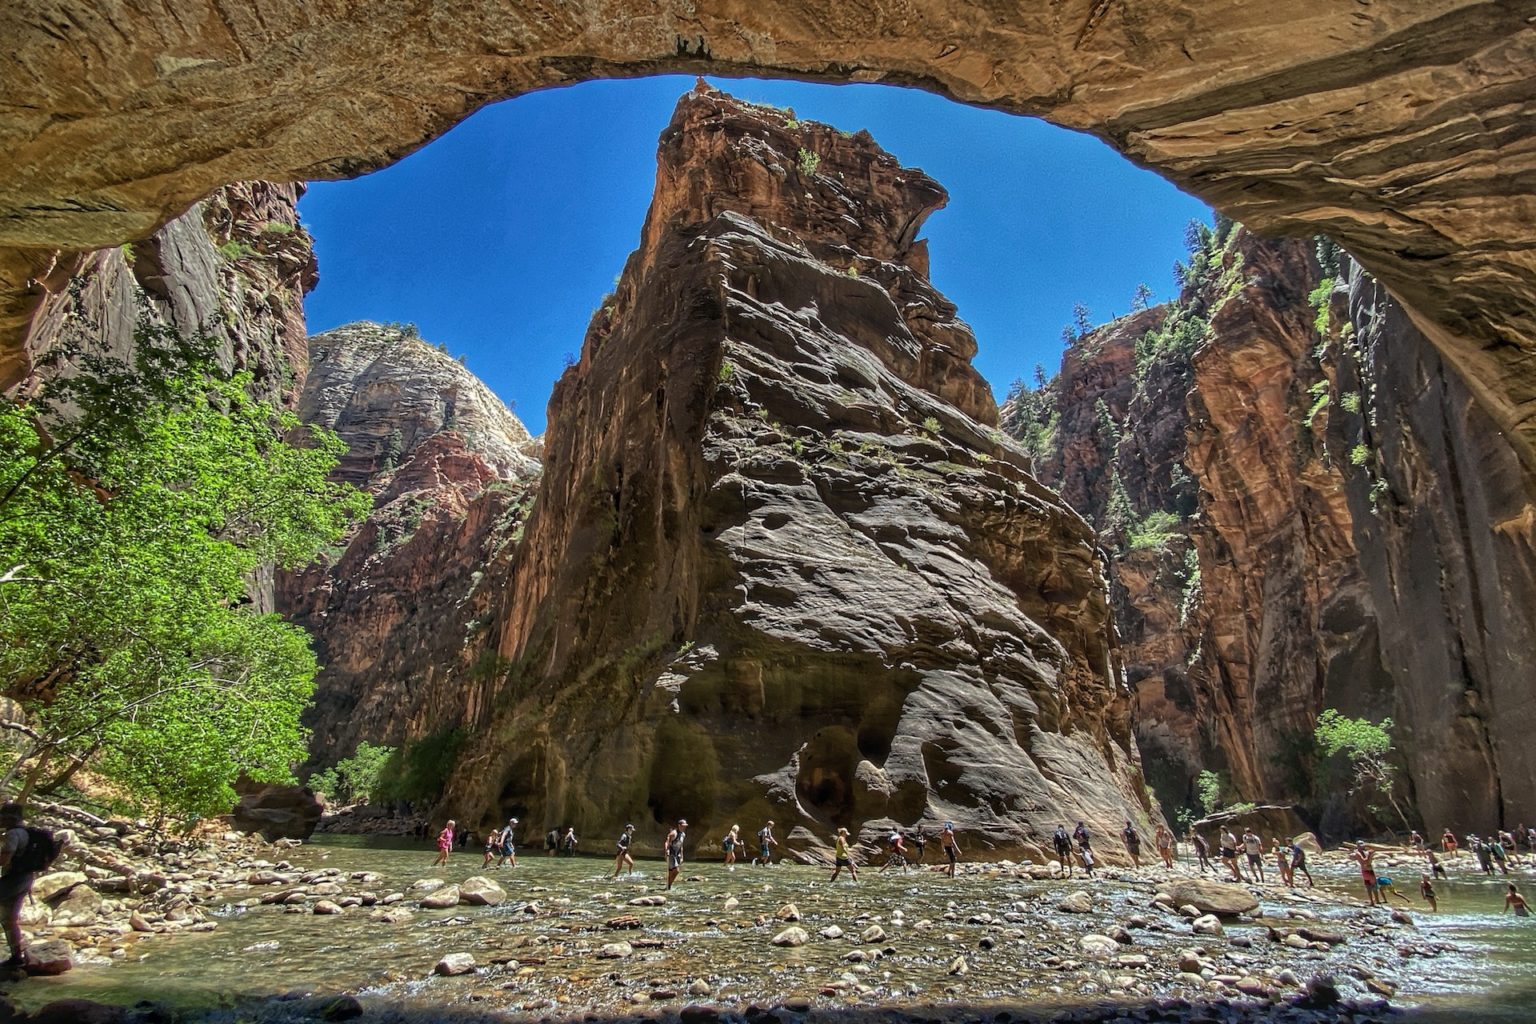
(1367, 748)
(137, 499)
(1142, 298)
(1082, 319)
(354, 778)
(1208, 789)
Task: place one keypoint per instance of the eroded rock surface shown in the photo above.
(402, 615)
(1401, 127)
(781, 564)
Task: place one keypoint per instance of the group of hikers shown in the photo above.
(501, 847)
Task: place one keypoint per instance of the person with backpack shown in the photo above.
(24, 853)
(1132, 840)
(623, 858)
(508, 838)
(765, 842)
(1063, 845)
(728, 844)
(674, 849)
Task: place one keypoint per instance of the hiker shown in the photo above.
(1253, 846)
(1132, 841)
(841, 857)
(492, 847)
(897, 856)
(765, 841)
(1512, 901)
(1299, 863)
(1063, 845)
(1496, 849)
(444, 843)
(1363, 857)
(623, 858)
(1415, 842)
(509, 844)
(1229, 855)
(674, 850)
(1484, 854)
(552, 841)
(951, 845)
(1435, 867)
(22, 856)
(1427, 890)
(1081, 837)
(568, 842)
(1202, 852)
(919, 841)
(1385, 888)
(729, 843)
(1286, 877)
(1448, 843)
(1164, 841)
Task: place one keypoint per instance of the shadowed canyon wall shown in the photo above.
(1303, 512)
(781, 563)
(1402, 128)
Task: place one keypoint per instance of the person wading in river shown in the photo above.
(1299, 863)
(1360, 855)
(444, 843)
(729, 843)
(1132, 840)
(1253, 846)
(1202, 852)
(765, 842)
(919, 840)
(16, 883)
(622, 857)
(842, 858)
(951, 845)
(492, 847)
(1063, 844)
(1229, 855)
(674, 850)
(1427, 890)
(1164, 841)
(1516, 902)
(509, 844)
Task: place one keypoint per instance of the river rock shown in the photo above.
(1076, 903)
(441, 899)
(788, 912)
(479, 891)
(1208, 924)
(326, 907)
(1208, 897)
(391, 915)
(455, 964)
(81, 906)
(831, 931)
(1331, 936)
(49, 958)
(276, 811)
(656, 900)
(77, 1011)
(874, 933)
(791, 937)
(55, 885)
(614, 950)
(1100, 946)
(427, 884)
(959, 967)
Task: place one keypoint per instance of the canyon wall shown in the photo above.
(1270, 560)
(401, 616)
(782, 564)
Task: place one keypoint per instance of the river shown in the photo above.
(543, 960)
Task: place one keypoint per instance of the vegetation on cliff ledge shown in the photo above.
(138, 502)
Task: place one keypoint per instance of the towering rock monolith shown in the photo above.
(782, 563)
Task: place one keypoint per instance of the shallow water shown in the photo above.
(546, 961)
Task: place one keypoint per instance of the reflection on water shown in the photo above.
(539, 949)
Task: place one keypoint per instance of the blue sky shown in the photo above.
(499, 239)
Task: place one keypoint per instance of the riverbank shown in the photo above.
(372, 923)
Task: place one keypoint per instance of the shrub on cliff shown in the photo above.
(137, 502)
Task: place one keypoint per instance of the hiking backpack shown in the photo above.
(42, 849)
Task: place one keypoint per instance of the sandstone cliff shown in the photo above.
(400, 616)
(781, 563)
(1300, 520)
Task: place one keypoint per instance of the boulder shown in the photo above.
(77, 1011)
(1076, 903)
(455, 964)
(794, 936)
(1210, 924)
(479, 891)
(1270, 821)
(49, 958)
(54, 886)
(276, 811)
(614, 951)
(1101, 946)
(81, 906)
(326, 907)
(1219, 898)
(441, 899)
(874, 933)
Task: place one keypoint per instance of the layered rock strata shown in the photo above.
(782, 565)
(401, 615)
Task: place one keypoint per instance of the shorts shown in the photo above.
(674, 861)
(1255, 859)
(763, 852)
(1227, 853)
(509, 850)
(13, 892)
(844, 862)
(951, 853)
